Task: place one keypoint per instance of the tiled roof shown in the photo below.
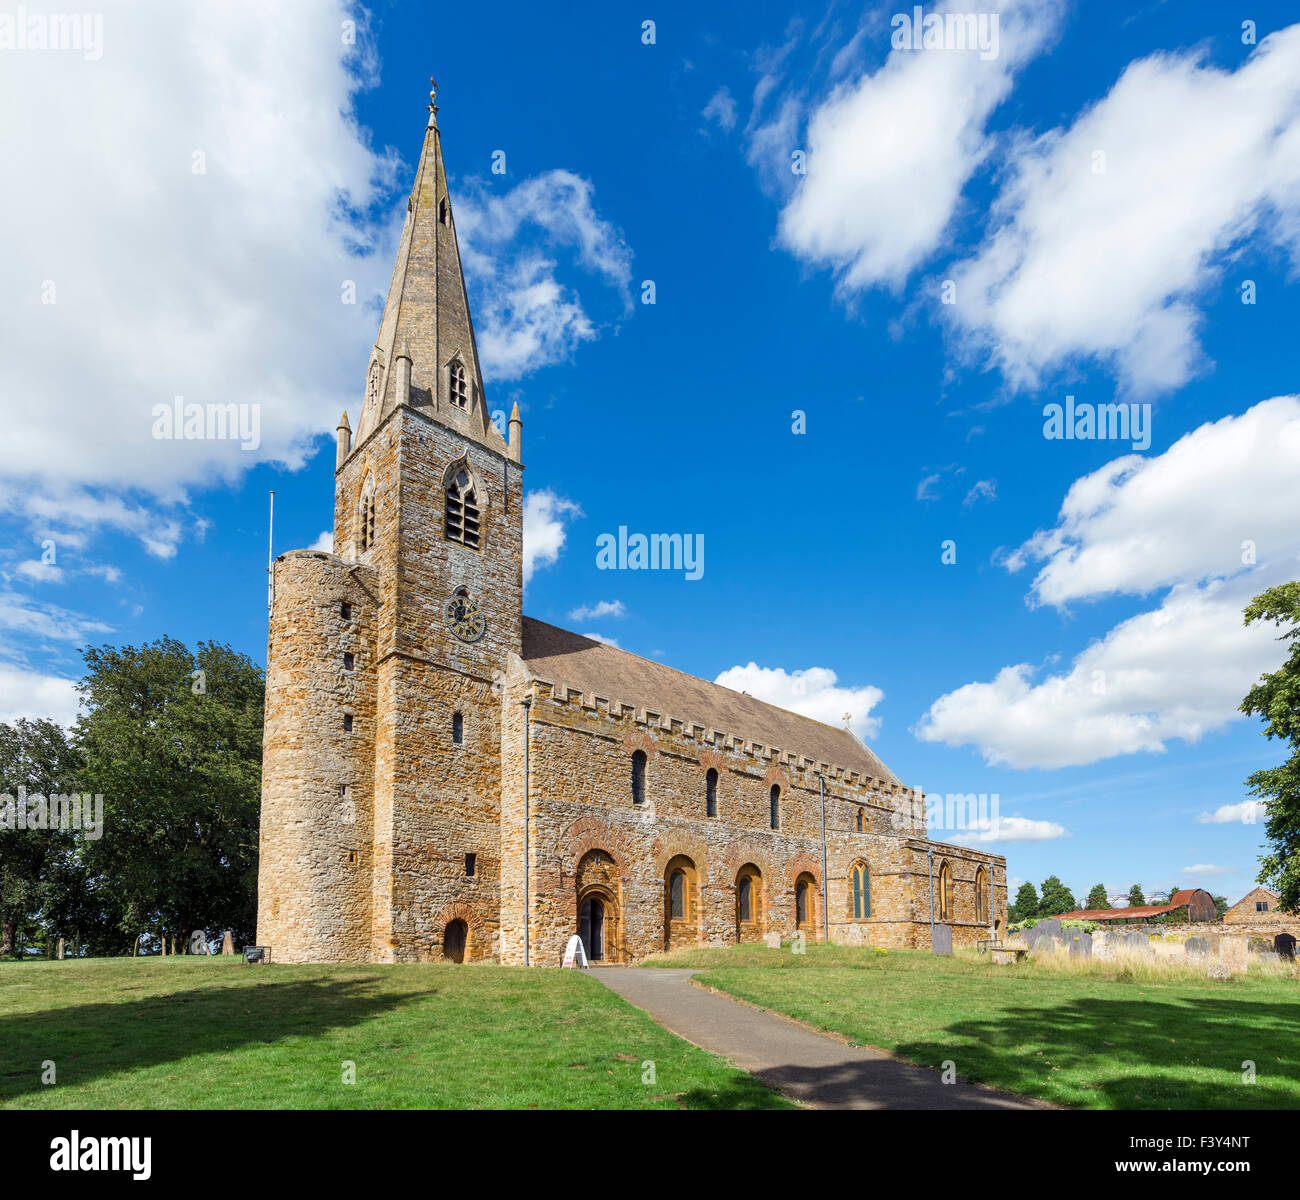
(574, 661)
(1178, 900)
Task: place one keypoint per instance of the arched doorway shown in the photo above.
(454, 940)
(749, 903)
(591, 928)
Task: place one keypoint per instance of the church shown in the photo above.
(445, 778)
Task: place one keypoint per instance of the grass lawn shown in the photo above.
(211, 1033)
(1094, 1039)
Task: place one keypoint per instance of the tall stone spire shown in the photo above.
(426, 355)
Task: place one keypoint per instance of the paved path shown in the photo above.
(818, 1070)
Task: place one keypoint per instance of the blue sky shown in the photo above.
(203, 188)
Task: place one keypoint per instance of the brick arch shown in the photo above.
(712, 759)
(776, 775)
(460, 911)
(595, 833)
(664, 850)
(737, 857)
(803, 863)
(639, 739)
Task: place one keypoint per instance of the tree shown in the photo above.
(1097, 898)
(173, 741)
(1055, 898)
(1276, 698)
(1221, 906)
(1026, 905)
(36, 756)
(1135, 896)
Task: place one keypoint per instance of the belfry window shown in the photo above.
(638, 777)
(366, 534)
(860, 820)
(462, 515)
(442, 211)
(459, 387)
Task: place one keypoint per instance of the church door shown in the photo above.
(453, 941)
(592, 929)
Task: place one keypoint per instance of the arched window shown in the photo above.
(711, 793)
(745, 899)
(861, 821)
(774, 807)
(982, 896)
(366, 515)
(945, 893)
(458, 386)
(458, 729)
(801, 903)
(860, 882)
(677, 896)
(638, 777)
(461, 521)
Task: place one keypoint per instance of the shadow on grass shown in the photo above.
(92, 1040)
(1156, 1043)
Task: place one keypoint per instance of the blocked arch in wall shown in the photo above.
(475, 945)
(682, 902)
(750, 906)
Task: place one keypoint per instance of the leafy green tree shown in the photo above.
(1055, 898)
(1135, 896)
(1221, 906)
(1097, 898)
(1026, 905)
(173, 740)
(34, 755)
(1276, 698)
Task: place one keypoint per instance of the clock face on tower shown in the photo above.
(464, 618)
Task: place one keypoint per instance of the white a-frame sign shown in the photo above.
(575, 955)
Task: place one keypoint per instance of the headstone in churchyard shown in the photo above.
(1197, 947)
(1102, 944)
(941, 939)
(1137, 943)
(1044, 944)
(773, 941)
(227, 944)
(1284, 944)
(1080, 944)
(1270, 958)
(1232, 954)
(1216, 970)
(1048, 928)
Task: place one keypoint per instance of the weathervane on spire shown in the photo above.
(433, 96)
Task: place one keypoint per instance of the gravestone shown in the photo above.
(941, 940)
(773, 941)
(1232, 955)
(1044, 944)
(1284, 944)
(1137, 943)
(1197, 947)
(1080, 944)
(1102, 944)
(1270, 958)
(1047, 929)
(227, 944)
(1257, 945)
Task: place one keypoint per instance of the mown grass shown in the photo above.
(1100, 1036)
(211, 1033)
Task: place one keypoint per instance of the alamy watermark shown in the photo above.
(1098, 422)
(79, 32)
(80, 813)
(919, 30)
(179, 421)
(651, 552)
(950, 812)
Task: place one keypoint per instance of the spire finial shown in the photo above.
(433, 99)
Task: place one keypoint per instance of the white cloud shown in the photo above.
(22, 615)
(1176, 672)
(525, 318)
(1248, 812)
(1227, 488)
(35, 696)
(925, 490)
(1206, 870)
(1113, 265)
(722, 109)
(605, 641)
(983, 489)
(815, 692)
(544, 516)
(889, 153)
(602, 608)
(987, 830)
(40, 572)
(325, 542)
(189, 217)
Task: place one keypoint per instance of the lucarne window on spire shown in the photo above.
(459, 388)
(461, 523)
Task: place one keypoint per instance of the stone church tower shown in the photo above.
(382, 769)
(445, 778)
